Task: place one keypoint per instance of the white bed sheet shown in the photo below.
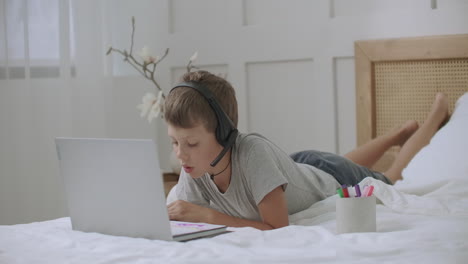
(431, 227)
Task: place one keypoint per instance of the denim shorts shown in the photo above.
(344, 170)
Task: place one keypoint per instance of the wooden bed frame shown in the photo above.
(397, 79)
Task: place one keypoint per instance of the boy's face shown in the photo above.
(195, 148)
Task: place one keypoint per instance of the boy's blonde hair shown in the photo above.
(185, 107)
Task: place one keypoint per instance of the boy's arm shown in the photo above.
(273, 210)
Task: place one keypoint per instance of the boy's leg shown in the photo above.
(439, 113)
(368, 154)
(342, 169)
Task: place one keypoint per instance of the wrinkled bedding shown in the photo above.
(430, 227)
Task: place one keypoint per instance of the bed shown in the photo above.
(422, 219)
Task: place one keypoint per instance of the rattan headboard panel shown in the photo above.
(397, 79)
(404, 88)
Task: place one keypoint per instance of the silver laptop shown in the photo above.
(115, 187)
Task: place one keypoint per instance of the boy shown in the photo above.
(242, 180)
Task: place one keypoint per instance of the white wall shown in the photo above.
(291, 62)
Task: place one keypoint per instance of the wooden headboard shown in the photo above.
(397, 79)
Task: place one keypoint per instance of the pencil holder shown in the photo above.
(356, 214)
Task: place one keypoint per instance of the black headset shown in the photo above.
(226, 133)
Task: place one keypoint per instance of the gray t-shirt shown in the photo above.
(258, 167)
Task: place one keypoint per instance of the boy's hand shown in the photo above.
(184, 211)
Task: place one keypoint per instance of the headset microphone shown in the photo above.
(226, 133)
(231, 140)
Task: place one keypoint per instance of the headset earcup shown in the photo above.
(222, 133)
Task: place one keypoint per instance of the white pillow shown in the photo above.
(446, 156)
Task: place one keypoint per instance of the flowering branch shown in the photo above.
(148, 67)
(152, 105)
(190, 65)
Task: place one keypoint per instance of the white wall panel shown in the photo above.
(200, 15)
(258, 12)
(281, 103)
(451, 4)
(344, 82)
(378, 7)
(3, 43)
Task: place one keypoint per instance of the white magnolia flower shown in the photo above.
(194, 56)
(148, 100)
(157, 107)
(146, 56)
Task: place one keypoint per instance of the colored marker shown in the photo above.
(345, 191)
(358, 190)
(364, 190)
(340, 192)
(370, 190)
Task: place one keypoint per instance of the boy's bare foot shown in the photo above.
(438, 113)
(406, 131)
(439, 109)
